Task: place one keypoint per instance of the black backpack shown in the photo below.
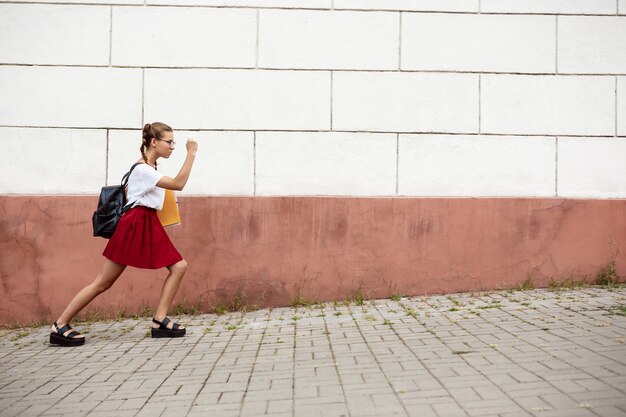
(111, 207)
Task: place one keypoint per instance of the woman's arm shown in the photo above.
(179, 181)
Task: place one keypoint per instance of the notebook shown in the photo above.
(169, 214)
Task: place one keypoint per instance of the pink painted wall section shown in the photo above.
(268, 251)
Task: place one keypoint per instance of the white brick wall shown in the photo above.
(125, 2)
(405, 102)
(547, 105)
(318, 39)
(325, 163)
(238, 99)
(592, 45)
(443, 165)
(592, 166)
(414, 5)
(549, 6)
(344, 97)
(47, 34)
(466, 42)
(309, 4)
(58, 161)
(181, 37)
(621, 106)
(70, 96)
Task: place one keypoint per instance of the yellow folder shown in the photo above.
(169, 214)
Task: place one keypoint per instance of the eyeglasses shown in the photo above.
(171, 143)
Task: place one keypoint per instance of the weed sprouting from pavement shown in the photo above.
(527, 284)
(608, 274)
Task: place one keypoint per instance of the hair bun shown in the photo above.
(146, 131)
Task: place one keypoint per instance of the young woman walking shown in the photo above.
(139, 239)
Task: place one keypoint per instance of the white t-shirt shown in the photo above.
(142, 189)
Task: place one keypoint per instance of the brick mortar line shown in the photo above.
(195, 398)
(143, 97)
(400, 41)
(556, 166)
(331, 100)
(285, 69)
(256, 356)
(419, 360)
(369, 132)
(256, 48)
(111, 37)
(494, 324)
(254, 164)
(106, 161)
(324, 9)
(397, 163)
(556, 45)
(373, 355)
(616, 106)
(336, 366)
(480, 104)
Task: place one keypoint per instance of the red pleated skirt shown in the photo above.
(140, 241)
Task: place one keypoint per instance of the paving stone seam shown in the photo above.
(477, 368)
(332, 352)
(82, 383)
(572, 340)
(433, 376)
(256, 356)
(542, 349)
(375, 357)
(30, 357)
(592, 293)
(147, 401)
(561, 328)
(210, 371)
(130, 374)
(293, 368)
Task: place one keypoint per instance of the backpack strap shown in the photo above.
(125, 178)
(127, 175)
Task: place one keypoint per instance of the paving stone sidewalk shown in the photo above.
(522, 353)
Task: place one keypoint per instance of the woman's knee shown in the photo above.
(111, 271)
(180, 266)
(102, 286)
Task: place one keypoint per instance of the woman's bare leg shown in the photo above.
(170, 287)
(110, 272)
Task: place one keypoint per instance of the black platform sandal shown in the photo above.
(59, 337)
(163, 331)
